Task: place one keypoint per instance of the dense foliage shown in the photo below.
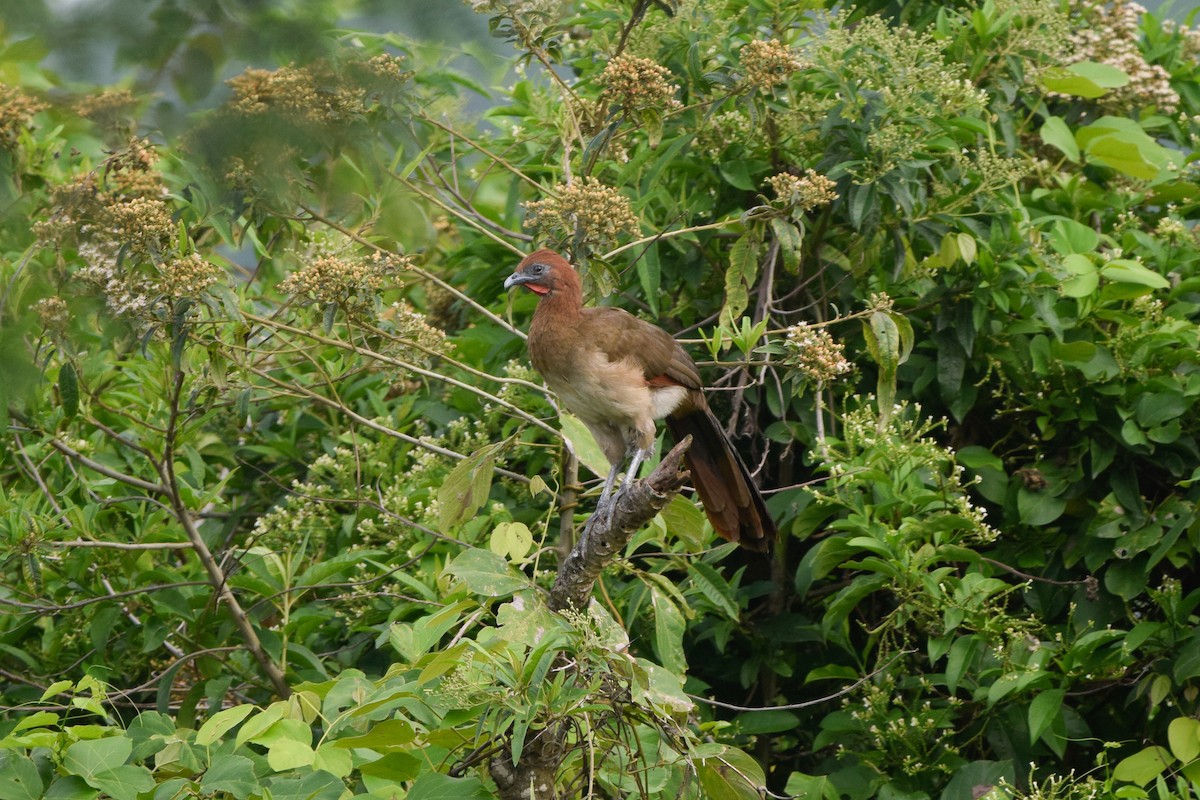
(281, 495)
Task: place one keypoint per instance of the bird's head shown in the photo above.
(543, 273)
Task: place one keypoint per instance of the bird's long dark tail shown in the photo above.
(731, 500)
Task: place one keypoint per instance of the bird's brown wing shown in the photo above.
(621, 335)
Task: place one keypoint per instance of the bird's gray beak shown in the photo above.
(516, 279)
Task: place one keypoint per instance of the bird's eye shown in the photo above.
(537, 268)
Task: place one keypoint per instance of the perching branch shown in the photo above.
(636, 506)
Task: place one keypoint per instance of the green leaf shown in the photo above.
(1123, 270)
(466, 488)
(1155, 408)
(316, 785)
(790, 240)
(36, 720)
(19, 778)
(581, 442)
(68, 389)
(740, 173)
(715, 588)
(1085, 278)
(1121, 144)
(960, 659)
(125, 782)
(685, 520)
(1056, 134)
(384, 735)
(511, 540)
(486, 573)
(231, 774)
(1039, 508)
(740, 277)
(1086, 79)
(56, 688)
(889, 339)
(259, 723)
(1043, 711)
(288, 753)
(1183, 734)
(436, 786)
(668, 633)
(91, 757)
(731, 776)
(221, 723)
(398, 766)
(1144, 765)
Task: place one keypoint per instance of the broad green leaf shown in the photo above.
(55, 688)
(1086, 79)
(221, 723)
(466, 488)
(1043, 711)
(90, 757)
(1056, 134)
(741, 276)
(960, 659)
(968, 248)
(528, 622)
(1144, 765)
(231, 774)
(790, 239)
(316, 785)
(814, 787)
(731, 776)
(583, 444)
(714, 587)
(1125, 271)
(668, 632)
(68, 389)
(288, 753)
(662, 688)
(1070, 236)
(1084, 277)
(1155, 408)
(684, 519)
(1121, 144)
(125, 782)
(262, 721)
(436, 786)
(511, 540)
(486, 573)
(398, 766)
(1039, 508)
(1183, 734)
(19, 777)
(35, 720)
(383, 736)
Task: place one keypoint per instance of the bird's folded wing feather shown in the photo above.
(622, 336)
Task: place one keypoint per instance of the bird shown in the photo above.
(620, 374)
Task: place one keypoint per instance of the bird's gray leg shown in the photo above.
(639, 457)
(605, 498)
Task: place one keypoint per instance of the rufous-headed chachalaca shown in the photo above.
(619, 374)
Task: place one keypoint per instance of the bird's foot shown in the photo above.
(610, 511)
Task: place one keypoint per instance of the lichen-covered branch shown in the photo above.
(636, 506)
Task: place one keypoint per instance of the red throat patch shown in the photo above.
(537, 288)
